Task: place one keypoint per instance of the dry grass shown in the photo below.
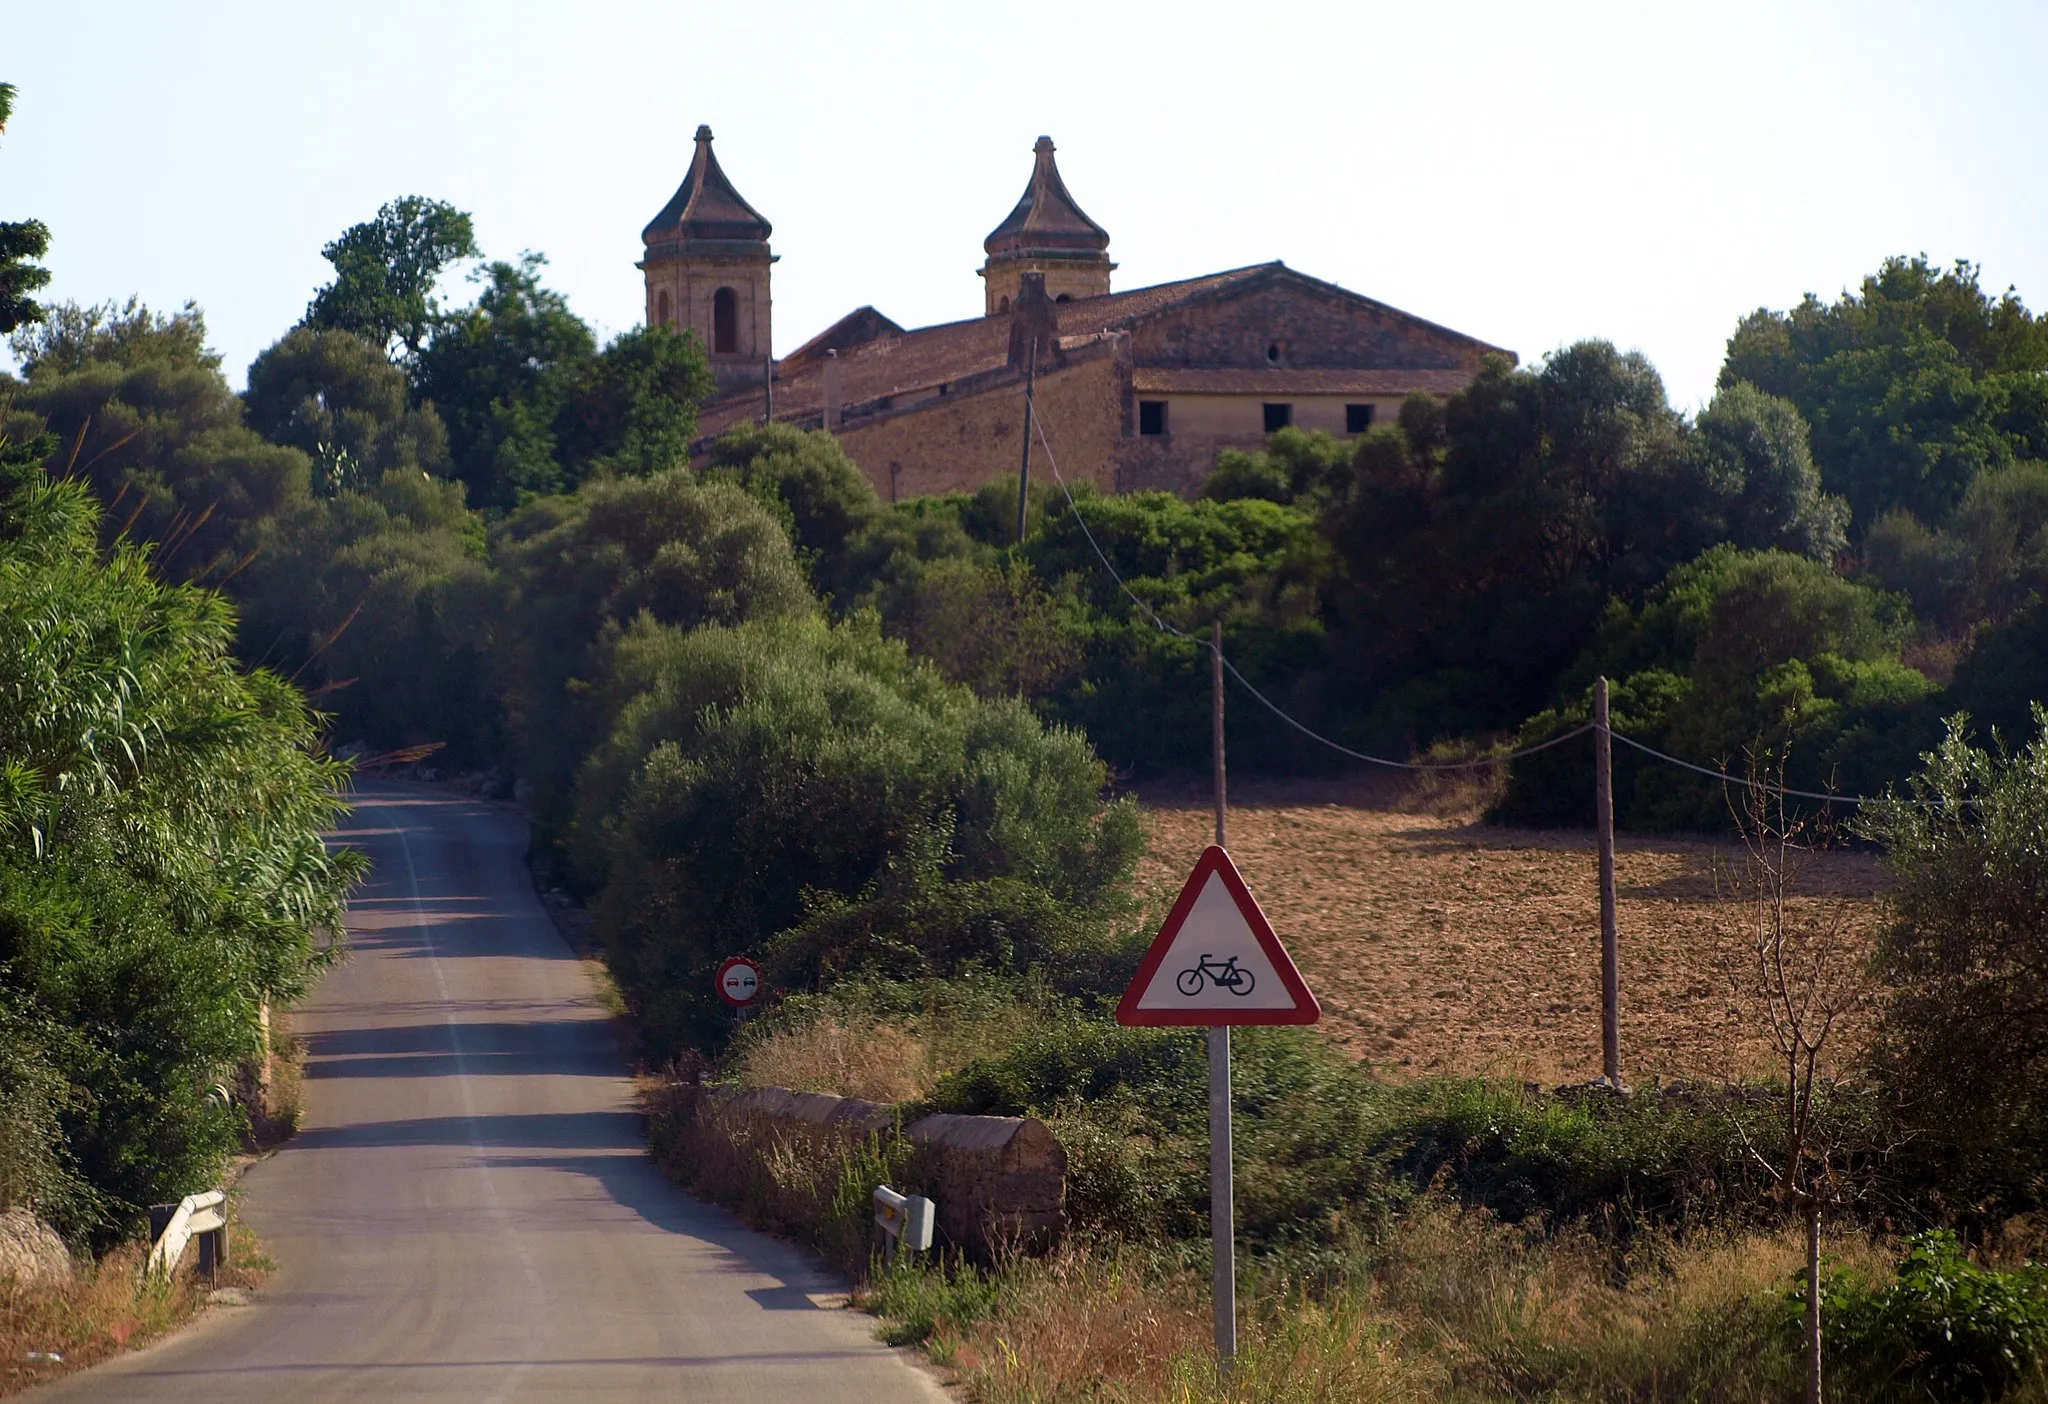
(107, 1307)
(1440, 945)
(877, 1061)
(1087, 1327)
(853, 1048)
(1452, 1307)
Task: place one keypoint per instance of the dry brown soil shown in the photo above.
(1438, 944)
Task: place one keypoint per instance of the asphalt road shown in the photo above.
(468, 1212)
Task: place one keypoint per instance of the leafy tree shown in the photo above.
(20, 241)
(1913, 385)
(1984, 564)
(1736, 653)
(1756, 450)
(1481, 539)
(997, 630)
(577, 570)
(142, 413)
(162, 872)
(501, 374)
(334, 397)
(382, 603)
(634, 411)
(1294, 467)
(1963, 1039)
(385, 269)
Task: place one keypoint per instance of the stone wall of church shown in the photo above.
(960, 442)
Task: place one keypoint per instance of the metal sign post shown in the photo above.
(1215, 963)
(1222, 1203)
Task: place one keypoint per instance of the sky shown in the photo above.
(1532, 175)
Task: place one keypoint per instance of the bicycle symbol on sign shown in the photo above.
(1223, 973)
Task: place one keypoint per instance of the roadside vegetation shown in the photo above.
(755, 710)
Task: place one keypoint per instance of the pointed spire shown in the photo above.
(705, 207)
(1046, 221)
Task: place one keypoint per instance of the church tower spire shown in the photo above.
(706, 266)
(1047, 233)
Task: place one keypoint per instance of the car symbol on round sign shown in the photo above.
(739, 980)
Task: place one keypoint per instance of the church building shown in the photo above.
(1135, 389)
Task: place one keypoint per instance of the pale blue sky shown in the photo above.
(1530, 174)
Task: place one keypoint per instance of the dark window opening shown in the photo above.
(1278, 417)
(1357, 418)
(725, 322)
(663, 314)
(1152, 417)
(1064, 297)
(1004, 305)
(1273, 353)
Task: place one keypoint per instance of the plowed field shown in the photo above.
(1438, 944)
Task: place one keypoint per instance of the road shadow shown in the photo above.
(561, 1048)
(636, 1184)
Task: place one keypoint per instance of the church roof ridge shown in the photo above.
(705, 206)
(1047, 219)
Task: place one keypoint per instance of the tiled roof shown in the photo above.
(932, 356)
(704, 207)
(1046, 220)
(1282, 381)
(856, 328)
(916, 363)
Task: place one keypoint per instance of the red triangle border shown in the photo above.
(1215, 862)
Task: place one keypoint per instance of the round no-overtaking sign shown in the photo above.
(739, 980)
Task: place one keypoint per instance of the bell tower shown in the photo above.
(706, 266)
(1046, 234)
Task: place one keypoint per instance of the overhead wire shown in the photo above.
(1158, 622)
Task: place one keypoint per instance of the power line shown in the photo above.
(1152, 615)
(1736, 779)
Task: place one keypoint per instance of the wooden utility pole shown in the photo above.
(1222, 1191)
(1024, 473)
(1216, 722)
(1610, 936)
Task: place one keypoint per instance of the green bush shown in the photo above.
(1945, 1328)
(1327, 1151)
(1962, 1041)
(574, 571)
(891, 821)
(1735, 653)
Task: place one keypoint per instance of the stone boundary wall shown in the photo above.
(999, 1182)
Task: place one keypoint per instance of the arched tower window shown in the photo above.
(661, 304)
(1004, 305)
(725, 322)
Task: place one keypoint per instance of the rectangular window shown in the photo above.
(1278, 417)
(1357, 418)
(1152, 417)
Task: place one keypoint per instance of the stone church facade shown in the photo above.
(1136, 389)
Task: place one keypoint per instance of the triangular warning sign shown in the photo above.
(1216, 960)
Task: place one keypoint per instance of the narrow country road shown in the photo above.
(468, 1212)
